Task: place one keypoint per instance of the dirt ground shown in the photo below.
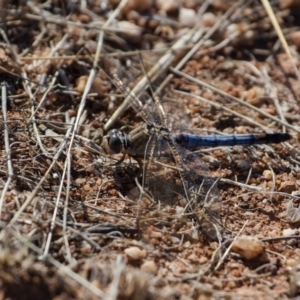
(77, 221)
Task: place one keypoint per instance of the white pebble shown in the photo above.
(288, 232)
(135, 253)
(187, 17)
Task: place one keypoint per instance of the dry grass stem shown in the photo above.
(88, 213)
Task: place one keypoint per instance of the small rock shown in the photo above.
(268, 174)
(155, 234)
(135, 253)
(243, 164)
(203, 260)
(195, 234)
(84, 18)
(98, 86)
(187, 245)
(193, 258)
(283, 4)
(130, 30)
(220, 5)
(149, 266)
(295, 39)
(297, 252)
(274, 233)
(291, 262)
(286, 64)
(288, 232)
(175, 240)
(287, 187)
(253, 95)
(86, 187)
(180, 210)
(292, 242)
(169, 7)
(90, 169)
(231, 285)
(91, 46)
(208, 19)
(187, 17)
(141, 6)
(248, 247)
(80, 181)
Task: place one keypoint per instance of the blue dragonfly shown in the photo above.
(170, 172)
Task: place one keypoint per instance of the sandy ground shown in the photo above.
(79, 222)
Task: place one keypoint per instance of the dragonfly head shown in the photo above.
(116, 140)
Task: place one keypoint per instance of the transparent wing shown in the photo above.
(138, 97)
(203, 192)
(178, 178)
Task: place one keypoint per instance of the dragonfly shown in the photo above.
(171, 173)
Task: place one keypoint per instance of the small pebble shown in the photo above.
(243, 164)
(98, 86)
(169, 7)
(288, 232)
(292, 242)
(295, 39)
(149, 266)
(193, 258)
(83, 18)
(268, 174)
(179, 210)
(209, 19)
(203, 260)
(156, 234)
(141, 6)
(287, 187)
(283, 4)
(220, 5)
(187, 17)
(291, 262)
(286, 64)
(248, 247)
(253, 95)
(130, 30)
(175, 240)
(187, 244)
(86, 187)
(135, 253)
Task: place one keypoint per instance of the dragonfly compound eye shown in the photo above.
(115, 141)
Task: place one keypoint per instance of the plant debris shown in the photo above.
(70, 211)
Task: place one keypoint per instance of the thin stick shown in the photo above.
(89, 286)
(278, 30)
(36, 189)
(114, 287)
(163, 63)
(270, 88)
(200, 43)
(112, 54)
(237, 100)
(45, 94)
(47, 246)
(7, 146)
(224, 108)
(81, 234)
(78, 118)
(229, 248)
(34, 125)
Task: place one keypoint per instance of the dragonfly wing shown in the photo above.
(174, 176)
(138, 98)
(203, 193)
